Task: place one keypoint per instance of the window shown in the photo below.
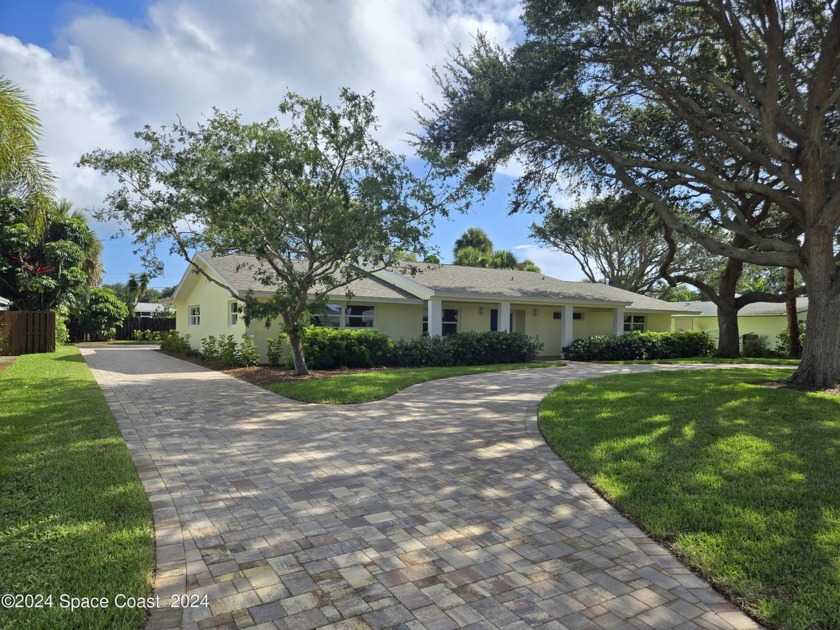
(357, 316)
(575, 316)
(634, 322)
(234, 308)
(195, 316)
(449, 321)
(338, 316)
(329, 318)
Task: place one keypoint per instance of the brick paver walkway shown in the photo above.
(438, 508)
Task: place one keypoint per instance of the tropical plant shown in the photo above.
(23, 171)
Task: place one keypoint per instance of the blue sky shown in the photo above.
(101, 69)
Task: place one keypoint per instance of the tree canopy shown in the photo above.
(615, 239)
(48, 269)
(311, 194)
(726, 109)
(475, 249)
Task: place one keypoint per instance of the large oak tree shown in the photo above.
(696, 104)
(312, 195)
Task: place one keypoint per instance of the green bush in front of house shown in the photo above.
(640, 346)
(466, 348)
(330, 348)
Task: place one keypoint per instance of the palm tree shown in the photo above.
(471, 257)
(23, 171)
(137, 285)
(474, 237)
(529, 265)
(504, 259)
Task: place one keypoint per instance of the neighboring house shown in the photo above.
(151, 309)
(4, 304)
(764, 319)
(437, 299)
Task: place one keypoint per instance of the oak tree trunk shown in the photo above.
(296, 346)
(795, 350)
(820, 365)
(728, 338)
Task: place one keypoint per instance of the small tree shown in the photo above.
(43, 269)
(103, 313)
(319, 203)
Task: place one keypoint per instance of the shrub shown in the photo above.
(146, 335)
(329, 348)
(228, 351)
(173, 342)
(467, 348)
(422, 352)
(756, 347)
(102, 314)
(783, 340)
(248, 353)
(62, 334)
(210, 349)
(275, 349)
(641, 345)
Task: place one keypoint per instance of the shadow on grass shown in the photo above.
(740, 479)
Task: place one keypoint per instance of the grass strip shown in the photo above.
(74, 519)
(368, 386)
(738, 478)
(715, 360)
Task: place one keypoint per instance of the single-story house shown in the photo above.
(436, 299)
(151, 309)
(764, 319)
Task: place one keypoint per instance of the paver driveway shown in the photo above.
(440, 507)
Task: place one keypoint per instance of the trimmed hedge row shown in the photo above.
(641, 345)
(329, 348)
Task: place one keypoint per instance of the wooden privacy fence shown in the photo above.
(155, 324)
(26, 332)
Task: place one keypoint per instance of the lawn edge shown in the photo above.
(739, 602)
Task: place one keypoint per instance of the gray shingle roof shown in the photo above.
(758, 309)
(238, 272)
(453, 281)
(457, 281)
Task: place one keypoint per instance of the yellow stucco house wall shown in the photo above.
(431, 299)
(764, 319)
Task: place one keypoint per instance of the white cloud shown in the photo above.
(108, 76)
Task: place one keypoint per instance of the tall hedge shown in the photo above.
(641, 345)
(466, 348)
(330, 348)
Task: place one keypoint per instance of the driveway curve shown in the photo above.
(440, 507)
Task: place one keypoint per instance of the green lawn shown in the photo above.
(743, 360)
(740, 480)
(74, 519)
(367, 386)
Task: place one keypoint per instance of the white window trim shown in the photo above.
(634, 320)
(194, 315)
(344, 317)
(233, 316)
(425, 319)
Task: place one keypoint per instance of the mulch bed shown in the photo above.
(263, 375)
